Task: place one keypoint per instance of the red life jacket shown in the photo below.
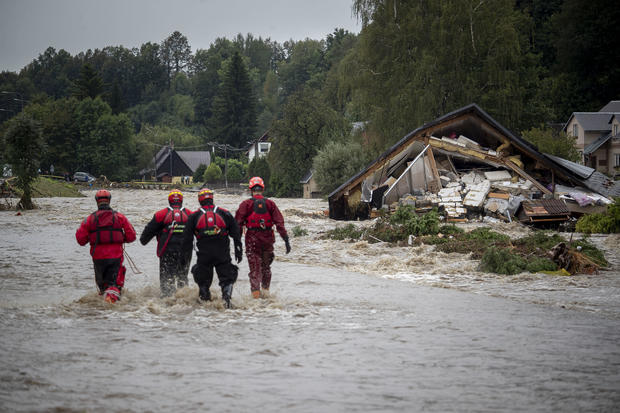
(174, 220)
(260, 218)
(210, 224)
(105, 228)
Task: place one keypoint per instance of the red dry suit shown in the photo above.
(259, 216)
(106, 230)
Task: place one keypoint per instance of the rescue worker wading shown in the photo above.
(168, 225)
(212, 226)
(106, 230)
(259, 215)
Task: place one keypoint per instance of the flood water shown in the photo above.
(350, 326)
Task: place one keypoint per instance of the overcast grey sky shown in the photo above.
(28, 27)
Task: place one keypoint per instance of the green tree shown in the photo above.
(89, 84)
(88, 113)
(112, 143)
(234, 107)
(60, 132)
(307, 124)
(336, 162)
(199, 173)
(213, 173)
(415, 61)
(260, 167)
(176, 54)
(555, 143)
(586, 37)
(305, 66)
(24, 146)
(51, 71)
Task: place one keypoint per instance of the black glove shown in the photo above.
(288, 245)
(238, 253)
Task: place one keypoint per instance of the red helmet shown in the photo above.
(205, 194)
(257, 181)
(175, 197)
(103, 196)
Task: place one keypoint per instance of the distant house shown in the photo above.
(260, 147)
(311, 189)
(170, 165)
(598, 137)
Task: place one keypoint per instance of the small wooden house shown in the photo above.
(311, 189)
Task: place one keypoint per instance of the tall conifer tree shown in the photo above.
(234, 107)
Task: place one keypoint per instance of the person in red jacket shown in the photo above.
(213, 228)
(259, 216)
(167, 225)
(106, 230)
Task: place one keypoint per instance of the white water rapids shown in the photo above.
(350, 326)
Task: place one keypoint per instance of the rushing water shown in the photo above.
(350, 326)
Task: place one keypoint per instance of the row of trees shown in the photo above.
(526, 62)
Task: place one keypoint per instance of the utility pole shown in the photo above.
(226, 165)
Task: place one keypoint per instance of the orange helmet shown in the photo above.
(175, 197)
(257, 181)
(204, 194)
(103, 196)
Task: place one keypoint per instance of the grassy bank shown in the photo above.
(47, 188)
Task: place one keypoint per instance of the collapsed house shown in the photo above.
(469, 166)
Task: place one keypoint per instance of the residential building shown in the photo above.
(598, 137)
(260, 147)
(171, 166)
(311, 188)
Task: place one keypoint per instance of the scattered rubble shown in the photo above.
(479, 188)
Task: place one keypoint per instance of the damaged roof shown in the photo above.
(472, 122)
(590, 178)
(466, 121)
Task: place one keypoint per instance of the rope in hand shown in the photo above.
(130, 263)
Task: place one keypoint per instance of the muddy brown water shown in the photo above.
(350, 326)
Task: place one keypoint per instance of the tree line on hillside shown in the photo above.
(529, 63)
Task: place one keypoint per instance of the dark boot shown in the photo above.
(227, 294)
(204, 294)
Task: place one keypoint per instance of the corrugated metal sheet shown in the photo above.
(579, 170)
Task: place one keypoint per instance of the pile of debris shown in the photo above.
(468, 182)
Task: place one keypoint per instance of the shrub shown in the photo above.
(259, 167)
(199, 173)
(537, 264)
(336, 162)
(502, 261)
(539, 240)
(299, 231)
(212, 173)
(450, 229)
(348, 231)
(427, 224)
(605, 223)
(475, 242)
(589, 250)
